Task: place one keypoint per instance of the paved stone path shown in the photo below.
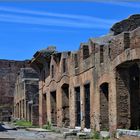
(9, 133)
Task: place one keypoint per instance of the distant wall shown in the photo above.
(8, 73)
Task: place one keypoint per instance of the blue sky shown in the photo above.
(26, 27)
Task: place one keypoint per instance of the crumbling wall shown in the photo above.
(128, 24)
(122, 87)
(8, 73)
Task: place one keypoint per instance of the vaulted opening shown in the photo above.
(104, 113)
(128, 95)
(65, 105)
(53, 108)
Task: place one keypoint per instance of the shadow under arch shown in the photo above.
(128, 95)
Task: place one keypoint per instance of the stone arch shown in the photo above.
(127, 55)
(128, 94)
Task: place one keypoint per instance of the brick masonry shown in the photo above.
(101, 62)
(26, 96)
(8, 73)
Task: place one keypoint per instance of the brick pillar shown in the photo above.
(20, 109)
(92, 107)
(72, 107)
(112, 102)
(25, 109)
(42, 110)
(48, 107)
(59, 107)
(16, 110)
(28, 112)
(21, 106)
(82, 107)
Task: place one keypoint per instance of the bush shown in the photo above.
(96, 135)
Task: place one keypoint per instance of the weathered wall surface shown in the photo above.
(102, 86)
(26, 96)
(8, 73)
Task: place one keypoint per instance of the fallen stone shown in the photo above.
(104, 134)
(87, 130)
(66, 134)
(121, 132)
(83, 135)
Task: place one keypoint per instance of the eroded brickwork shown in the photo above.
(26, 96)
(99, 72)
(8, 73)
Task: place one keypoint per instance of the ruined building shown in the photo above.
(8, 74)
(97, 86)
(26, 96)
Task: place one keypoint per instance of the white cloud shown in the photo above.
(53, 19)
(122, 3)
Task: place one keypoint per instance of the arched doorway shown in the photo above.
(104, 105)
(53, 108)
(65, 105)
(128, 95)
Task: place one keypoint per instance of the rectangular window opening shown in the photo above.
(101, 53)
(64, 65)
(85, 52)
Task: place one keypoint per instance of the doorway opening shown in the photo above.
(53, 108)
(87, 105)
(77, 107)
(65, 105)
(104, 112)
(128, 95)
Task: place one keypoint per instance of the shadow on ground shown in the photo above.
(3, 128)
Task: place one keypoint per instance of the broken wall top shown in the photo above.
(128, 24)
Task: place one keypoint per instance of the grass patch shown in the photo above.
(48, 126)
(23, 123)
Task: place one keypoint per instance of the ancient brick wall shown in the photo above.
(26, 98)
(8, 73)
(94, 64)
